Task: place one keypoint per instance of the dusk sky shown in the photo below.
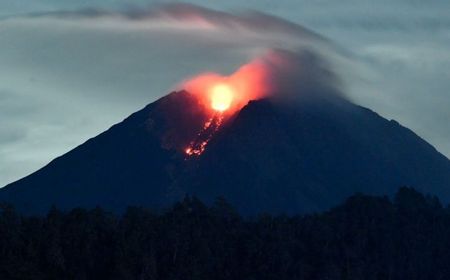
(65, 77)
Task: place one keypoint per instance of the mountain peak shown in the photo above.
(267, 156)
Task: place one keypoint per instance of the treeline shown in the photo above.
(366, 237)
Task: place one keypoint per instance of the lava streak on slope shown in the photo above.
(197, 146)
(222, 96)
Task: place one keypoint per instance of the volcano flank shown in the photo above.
(267, 156)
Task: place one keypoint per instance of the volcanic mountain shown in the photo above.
(268, 156)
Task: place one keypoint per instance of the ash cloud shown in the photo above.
(299, 74)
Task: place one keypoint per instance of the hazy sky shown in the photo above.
(66, 78)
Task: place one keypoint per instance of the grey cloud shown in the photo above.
(192, 15)
(11, 134)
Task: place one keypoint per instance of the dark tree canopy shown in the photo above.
(366, 237)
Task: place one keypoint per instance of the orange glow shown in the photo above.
(221, 97)
(230, 93)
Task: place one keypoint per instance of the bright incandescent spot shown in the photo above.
(224, 95)
(221, 97)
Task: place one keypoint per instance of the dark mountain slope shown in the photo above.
(125, 165)
(313, 155)
(268, 157)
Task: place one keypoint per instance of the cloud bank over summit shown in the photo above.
(68, 72)
(290, 59)
(285, 76)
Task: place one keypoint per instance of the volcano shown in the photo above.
(268, 156)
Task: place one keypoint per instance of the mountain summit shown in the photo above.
(268, 156)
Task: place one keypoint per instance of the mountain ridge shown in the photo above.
(268, 156)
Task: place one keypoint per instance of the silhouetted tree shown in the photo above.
(367, 237)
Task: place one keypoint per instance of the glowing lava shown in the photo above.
(198, 146)
(221, 97)
(230, 93)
